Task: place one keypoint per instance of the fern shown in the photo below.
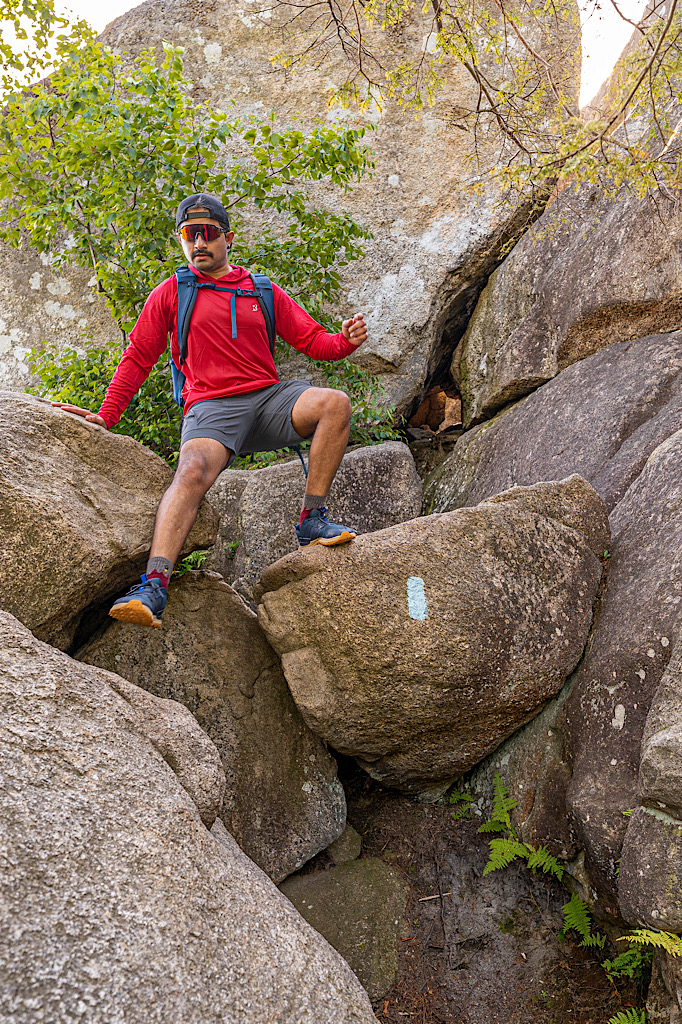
(503, 852)
(577, 917)
(502, 805)
(464, 800)
(668, 941)
(542, 858)
(629, 964)
(492, 826)
(595, 940)
(630, 1016)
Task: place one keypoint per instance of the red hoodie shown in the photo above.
(217, 364)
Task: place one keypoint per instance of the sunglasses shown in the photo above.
(209, 232)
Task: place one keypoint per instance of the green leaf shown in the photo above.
(503, 852)
(502, 805)
(668, 941)
(195, 560)
(630, 1016)
(542, 859)
(463, 800)
(630, 964)
(577, 917)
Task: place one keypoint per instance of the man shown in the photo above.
(233, 399)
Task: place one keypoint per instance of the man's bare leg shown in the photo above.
(325, 412)
(201, 460)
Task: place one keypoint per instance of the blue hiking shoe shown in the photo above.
(317, 529)
(143, 604)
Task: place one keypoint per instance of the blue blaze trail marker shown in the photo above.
(416, 598)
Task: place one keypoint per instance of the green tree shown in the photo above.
(93, 162)
(29, 37)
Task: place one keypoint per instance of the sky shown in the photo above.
(604, 36)
(604, 33)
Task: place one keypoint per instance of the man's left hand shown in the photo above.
(355, 330)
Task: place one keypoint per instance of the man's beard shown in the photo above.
(209, 260)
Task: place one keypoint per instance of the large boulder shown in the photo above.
(649, 891)
(660, 770)
(628, 653)
(119, 906)
(77, 509)
(601, 418)
(374, 488)
(284, 802)
(664, 998)
(419, 648)
(649, 878)
(434, 242)
(358, 907)
(593, 271)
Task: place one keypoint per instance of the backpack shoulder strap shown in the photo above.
(187, 296)
(263, 287)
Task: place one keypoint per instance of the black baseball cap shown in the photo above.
(215, 208)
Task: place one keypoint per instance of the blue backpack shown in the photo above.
(188, 287)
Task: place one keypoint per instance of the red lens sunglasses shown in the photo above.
(209, 232)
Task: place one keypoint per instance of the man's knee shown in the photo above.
(338, 404)
(194, 473)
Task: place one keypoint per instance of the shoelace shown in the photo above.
(141, 586)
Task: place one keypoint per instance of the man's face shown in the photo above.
(208, 257)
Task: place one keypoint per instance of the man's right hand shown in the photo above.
(91, 417)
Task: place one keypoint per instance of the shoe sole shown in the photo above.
(331, 542)
(135, 612)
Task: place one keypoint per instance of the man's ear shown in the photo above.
(229, 238)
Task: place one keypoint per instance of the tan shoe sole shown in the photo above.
(331, 542)
(136, 612)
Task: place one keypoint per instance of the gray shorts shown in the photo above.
(258, 421)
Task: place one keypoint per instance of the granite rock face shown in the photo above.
(418, 649)
(590, 273)
(358, 907)
(601, 418)
(39, 303)
(119, 906)
(176, 736)
(660, 770)
(649, 886)
(627, 656)
(664, 998)
(649, 890)
(283, 802)
(77, 509)
(374, 488)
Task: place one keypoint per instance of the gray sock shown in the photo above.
(162, 569)
(314, 501)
